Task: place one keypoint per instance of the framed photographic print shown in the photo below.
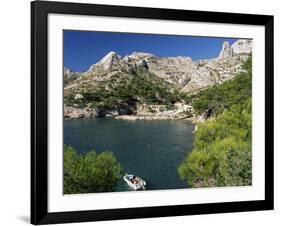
(145, 112)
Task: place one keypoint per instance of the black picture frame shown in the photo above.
(39, 112)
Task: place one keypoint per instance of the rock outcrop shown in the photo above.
(226, 51)
(242, 46)
(180, 74)
(69, 76)
(107, 61)
(75, 112)
(143, 111)
(142, 64)
(151, 117)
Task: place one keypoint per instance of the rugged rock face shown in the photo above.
(73, 112)
(160, 112)
(67, 72)
(69, 76)
(143, 111)
(180, 74)
(138, 55)
(107, 61)
(214, 71)
(142, 64)
(226, 51)
(242, 46)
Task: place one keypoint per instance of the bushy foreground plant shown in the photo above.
(91, 172)
(222, 149)
(221, 154)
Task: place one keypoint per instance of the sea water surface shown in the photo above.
(150, 149)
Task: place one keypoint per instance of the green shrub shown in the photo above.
(90, 172)
(221, 154)
(222, 148)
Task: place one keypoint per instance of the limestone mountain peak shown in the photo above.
(226, 50)
(107, 61)
(241, 46)
(135, 55)
(180, 72)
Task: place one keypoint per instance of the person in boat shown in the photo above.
(133, 179)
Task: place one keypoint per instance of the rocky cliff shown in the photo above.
(120, 84)
(69, 76)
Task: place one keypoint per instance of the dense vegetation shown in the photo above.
(221, 154)
(142, 86)
(90, 172)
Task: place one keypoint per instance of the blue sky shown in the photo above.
(84, 48)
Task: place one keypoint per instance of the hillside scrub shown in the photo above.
(90, 172)
(221, 154)
(223, 96)
(143, 87)
(222, 149)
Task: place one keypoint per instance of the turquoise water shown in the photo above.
(150, 149)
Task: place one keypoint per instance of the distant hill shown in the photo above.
(121, 84)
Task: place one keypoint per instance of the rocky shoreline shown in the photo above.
(154, 117)
(193, 119)
(143, 112)
(91, 114)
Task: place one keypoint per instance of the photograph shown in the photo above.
(155, 111)
(142, 112)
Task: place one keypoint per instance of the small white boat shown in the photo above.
(134, 182)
